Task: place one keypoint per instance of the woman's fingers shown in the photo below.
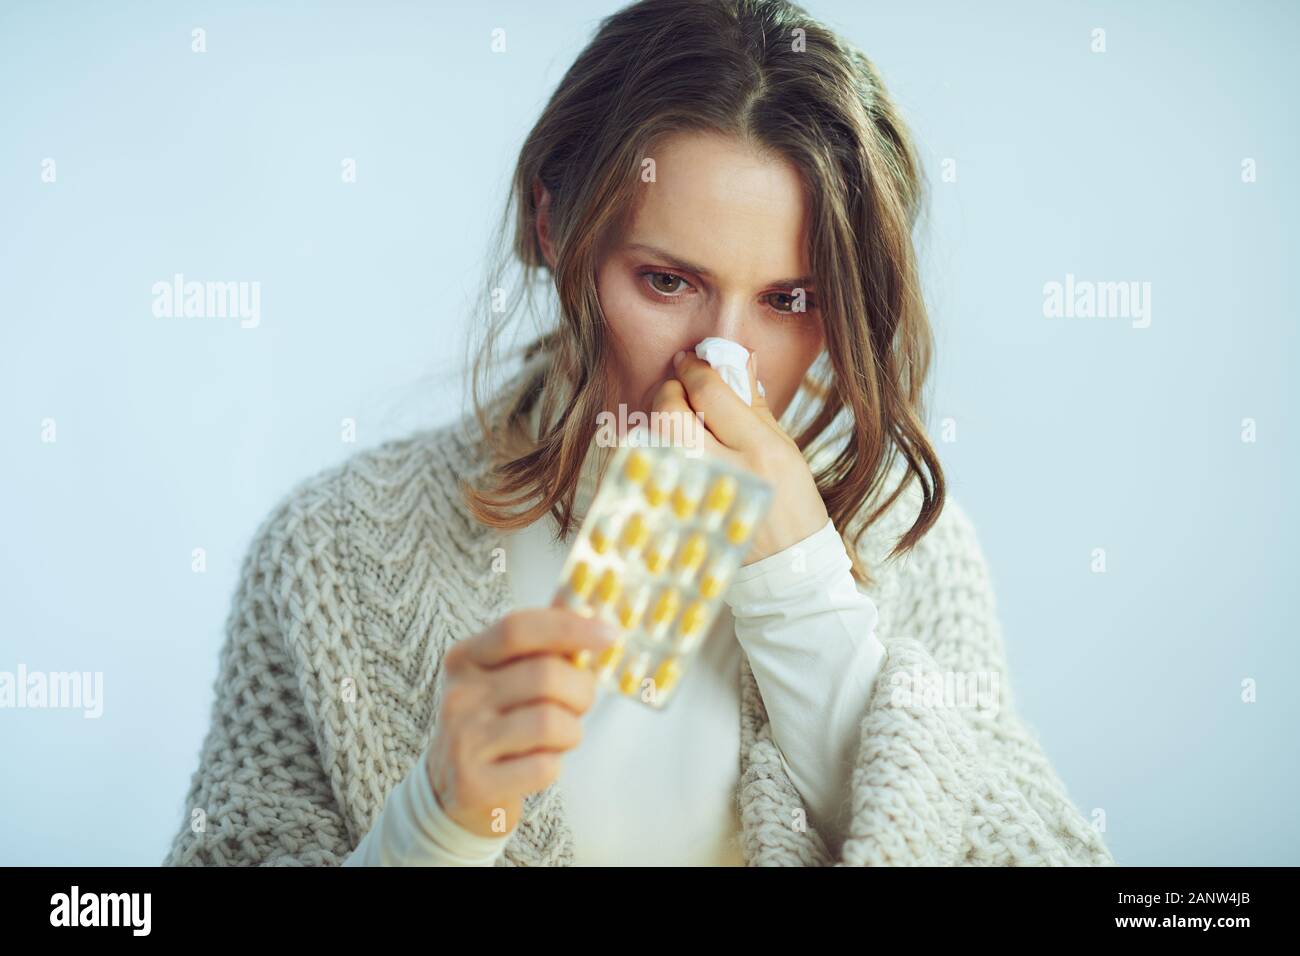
(541, 726)
(674, 423)
(760, 405)
(533, 631)
(542, 677)
(523, 775)
(725, 414)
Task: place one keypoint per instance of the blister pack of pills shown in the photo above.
(657, 549)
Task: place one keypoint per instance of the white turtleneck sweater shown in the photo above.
(648, 787)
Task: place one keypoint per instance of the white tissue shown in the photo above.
(729, 359)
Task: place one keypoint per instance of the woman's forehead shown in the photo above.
(721, 210)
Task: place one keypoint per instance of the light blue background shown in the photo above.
(1071, 434)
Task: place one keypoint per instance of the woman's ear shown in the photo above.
(542, 200)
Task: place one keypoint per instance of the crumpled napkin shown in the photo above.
(729, 359)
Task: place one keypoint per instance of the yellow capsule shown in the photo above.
(630, 680)
(692, 553)
(714, 579)
(600, 536)
(655, 561)
(637, 467)
(580, 580)
(657, 555)
(608, 587)
(609, 657)
(629, 614)
(635, 533)
(692, 618)
(666, 675)
(654, 494)
(738, 530)
(741, 525)
(721, 494)
(687, 494)
(665, 607)
(656, 487)
(683, 503)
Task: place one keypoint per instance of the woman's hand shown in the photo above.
(751, 437)
(511, 704)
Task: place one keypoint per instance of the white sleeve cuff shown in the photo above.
(805, 565)
(414, 830)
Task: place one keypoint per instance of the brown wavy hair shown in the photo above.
(764, 71)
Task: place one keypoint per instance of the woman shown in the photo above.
(395, 691)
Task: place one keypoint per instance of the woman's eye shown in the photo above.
(663, 282)
(789, 304)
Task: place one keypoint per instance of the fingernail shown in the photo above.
(677, 359)
(609, 632)
(762, 392)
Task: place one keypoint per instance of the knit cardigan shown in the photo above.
(359, 581)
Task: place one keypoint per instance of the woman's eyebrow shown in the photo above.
(801, 282)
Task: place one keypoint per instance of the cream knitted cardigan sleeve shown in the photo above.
(260, 796)
(980, 790)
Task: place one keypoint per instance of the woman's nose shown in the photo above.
(730, 322)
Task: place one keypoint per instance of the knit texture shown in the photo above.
(363, 576)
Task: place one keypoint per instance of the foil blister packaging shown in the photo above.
(665, 532)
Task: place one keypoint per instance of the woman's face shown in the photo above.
(715, 246)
